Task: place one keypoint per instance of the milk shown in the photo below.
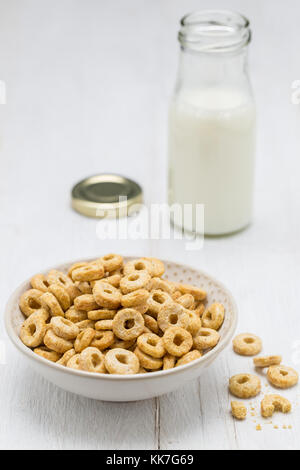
(211, 155)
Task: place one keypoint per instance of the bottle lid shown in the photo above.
(106, 195)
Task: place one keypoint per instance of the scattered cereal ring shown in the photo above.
(172, 314)
(47, 353)
(75, 315)
(50, 303)
(244, 385)
(56, 343)
(104, 325)
(73, 363)
(238, 410)
(84, 324)
(213, 317)
(102, 314)
(64, 328)
(186, 300)
(112, 262)
(247, 344)
(106, 295)
(194, 323)
(121, 361)
(137, 297)
(168, 361)
(39, 282)
(63, 361)
(267, 361)
(272, 403)
(148, 362)
(84, 339)
(103, 340)
(177, 341)
(151, 344)
(85, 302)
(92, 360)
(128, 324)
(197, 293)
(90, 272)
(206, 338)
(188, 357)
(151, 323)
(134, 281)
(33, 330)
(138, 265)
(282, 376)
(30, 301)
(61, 294)
(157, 300)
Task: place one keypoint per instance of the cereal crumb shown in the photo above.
(258, 427)
(289, 427)
(275, 427)
(238, 410)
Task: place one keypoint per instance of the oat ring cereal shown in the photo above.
(63, 361)
(156, 283)
(128, 324)
(56, 343)
(197, 293)
(169, 361)
(73, 362)
(186, 300)
(121, 361)
(151, 323)
(282, 376)
(245, 385)
(157, 300)
(138, 265)
(134, 281)
(158, 267)
(75, 266)
(33, 330)
(84, 339)
(106, 295)
(58, 277)
(103, 340)
(195, 323)
(272, 403)
(89, 272)
(85, 302)
(213, 317)
(50, 303)
(30, 302)
(177, 341)
(47, 353)
(39, 282)
(147, 361)
(188, 357)
(247, 344)
(206, 338)
(104, 325)
(92, 360)
(137, 297)
(61, 295)
(151, 344)
(172, 314)
(101, 314)
(112, 262)
(64, 328)
(267, 361)
(75, 315)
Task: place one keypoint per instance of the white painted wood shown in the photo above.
(87, 91)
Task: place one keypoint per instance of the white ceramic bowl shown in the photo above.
(135, 387)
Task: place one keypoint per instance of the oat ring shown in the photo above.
(106, 295)
(47, 353)
(177, 341)
(245, 385)
(151, 344)
(92, 360)
(64, 328)
(121, 361)
(172, 314)
(33, 330)
(282, 376)
(84, 339)
(247, 344)
(157, 300)
(206, 338)
(89, 272)
(272, 403)
(134, 281)
(39, 282)
(188, 357)
(103, 340)
(128, 324)
(138, 265)
(63, 361)
(112, 262)
(137, 297)
(213, 317)
(62, 295)
(56, 343)
(50, 303)
(58, 277)
(30, 302)
(147, 361)
(75, 315)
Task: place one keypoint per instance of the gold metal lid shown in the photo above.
(106, 195)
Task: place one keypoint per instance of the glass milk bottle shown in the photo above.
(212, 123)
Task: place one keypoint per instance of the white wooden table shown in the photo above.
(87, 91)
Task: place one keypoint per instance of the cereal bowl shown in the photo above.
(116, 387)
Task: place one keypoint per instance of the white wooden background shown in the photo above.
(88, 84)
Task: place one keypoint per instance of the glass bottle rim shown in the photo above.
(214, 31)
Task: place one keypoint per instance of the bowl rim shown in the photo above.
(15, 339)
